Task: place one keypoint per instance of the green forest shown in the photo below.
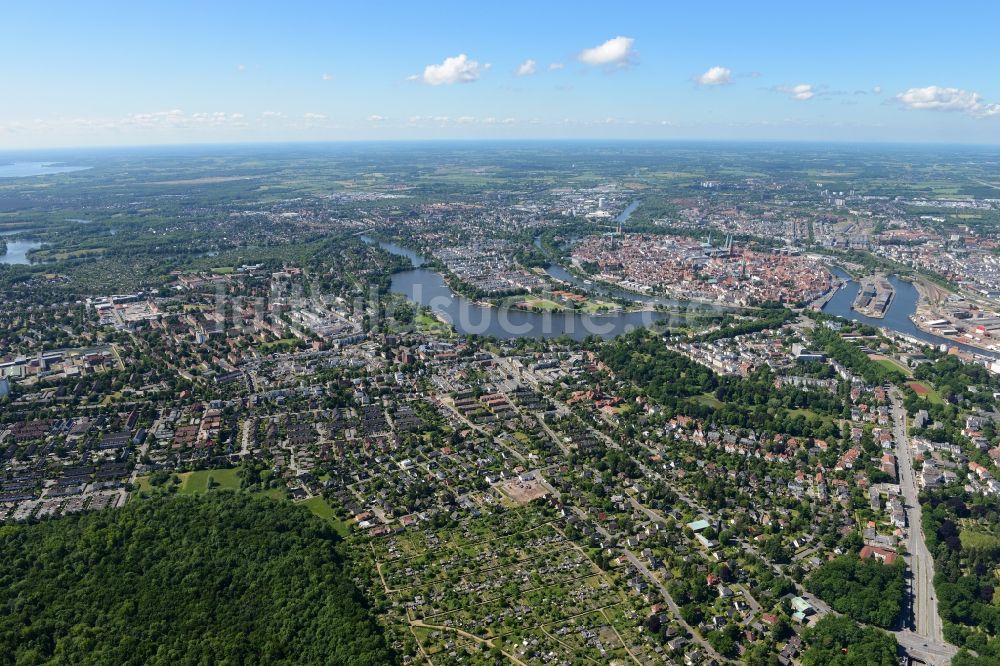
(221, 578)
(678, 383)
(964, 560)
(838, 641)
(865, 590)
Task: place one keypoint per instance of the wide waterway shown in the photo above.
(17, 252)
(29, 169)
(627, 213)
(897, 317)
(603, 289)
(427, 287)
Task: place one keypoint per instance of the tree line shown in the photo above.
(221, 578)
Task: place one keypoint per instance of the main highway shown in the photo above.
(922, 633)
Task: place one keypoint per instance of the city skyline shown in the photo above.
(124, 75)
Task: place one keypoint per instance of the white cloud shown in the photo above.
(375, 118)
(172, 119)
(313, 116)
(877, 90)
(327, 76)
(616, 51)
(448, 121)
(716, 76)
(936, 98)
(218, 119)
(556, 66)
(801, 92)
(241, 68)
(271, 115)
(456, 69)
(527, 68)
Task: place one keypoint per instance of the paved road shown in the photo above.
(245, 438)
(644, 570)
(923, 632)
(927, 641)
(139, 455)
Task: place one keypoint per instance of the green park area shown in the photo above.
(926, 392)
(892, 365)
(429, 324)
(322, 509)
(203, 480)
(978, 540)
(283, 345)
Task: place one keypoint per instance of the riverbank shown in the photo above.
(931, 313)
(836, 284)
(899, 317)
(572, 276)
(428, 288)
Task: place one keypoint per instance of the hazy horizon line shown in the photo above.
(501, 141)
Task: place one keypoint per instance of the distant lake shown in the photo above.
(17, 252)
(28, 169)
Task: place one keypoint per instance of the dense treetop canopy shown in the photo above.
(216, 579)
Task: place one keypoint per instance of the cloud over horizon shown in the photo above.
(937, 98)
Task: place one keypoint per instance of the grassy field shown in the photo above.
(111, 398)
(273, 493)
(427, 323)
(927, 392)
(544, 304)
(197, 482)
(892, 364)
(972, 539)
(709, 400)
(286, 343)
(224, 478)
(810, 414)
(594, 307)
(320, 508)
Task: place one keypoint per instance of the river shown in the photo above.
(17, 252)
(28, 169)
(602, 289)
(897, 317)
(427, 287)
(627, 213)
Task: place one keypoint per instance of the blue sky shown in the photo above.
(117, 73)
